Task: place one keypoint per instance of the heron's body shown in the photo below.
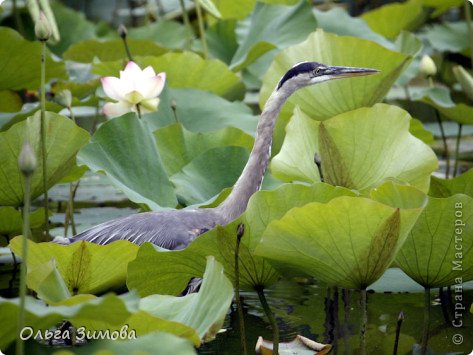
(176, 229)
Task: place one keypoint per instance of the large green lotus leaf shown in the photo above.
(204, 177)
(439, 249)
(292, 162)
(348, 242)
(46, 280)
(389, 20)
(178, 147)
(144, 345)
(11, 220)
(200, 111)
(64, 139)
(354, 148)
(207, 74)
(271, 26)
(329, 99)
(125, 149)
(110, 50)
(462, 184)
(8, 121)
(21, 63)
(204, 311)
(448, 36)
(168, 34)
(73, 27)
(338, 21)
(266, 206)
(84, 266)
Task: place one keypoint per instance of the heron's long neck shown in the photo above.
(252, 176)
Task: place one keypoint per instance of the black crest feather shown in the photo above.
(304, 67)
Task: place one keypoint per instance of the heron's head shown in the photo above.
(309, 73)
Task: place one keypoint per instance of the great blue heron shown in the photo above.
(177, 228)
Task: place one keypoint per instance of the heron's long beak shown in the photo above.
(343, 72)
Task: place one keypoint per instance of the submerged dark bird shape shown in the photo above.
(175, 229)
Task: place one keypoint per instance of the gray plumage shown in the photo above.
(176, 229)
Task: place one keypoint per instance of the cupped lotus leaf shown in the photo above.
(338, 21)
(64, 139)
(168, 34)
(204, 177)
(11, 220)
(399, 196)
(20, 66)
(125, 149)
(389, 20)
(348, 242)
(178, 147)
(84, 266)
(438, 96)
(204, 311)
(439, 249)
(144, 345)
(8, 121)
(207, 74)
(329, 99)
(462, 184)
(271, 26)
(47, 282)
(357, 149)
(292, 162)
(448, 36)
(200, 111)
(266, 206)
(110, 50)
(222, 40)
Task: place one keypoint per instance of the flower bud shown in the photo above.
(465, 80)
(27, 160)
(427, 66)
(64, 98)
(122, 31)
(42, 28)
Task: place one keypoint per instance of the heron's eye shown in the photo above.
(317, 71)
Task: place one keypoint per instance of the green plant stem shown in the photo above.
(200, 20)
(445, 145)
(237, 291)
(26, 232)
(127, 49)
(425, 330)
(69, 219)
(187, 23)
(271, 318)
(457, 149)
(400, 319)
(18, 20)
(470, 29)
(138, 110)
(43, 140)
(364, 320)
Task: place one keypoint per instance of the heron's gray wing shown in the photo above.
(168, 229)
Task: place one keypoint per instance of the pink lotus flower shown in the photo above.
(136, 90)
